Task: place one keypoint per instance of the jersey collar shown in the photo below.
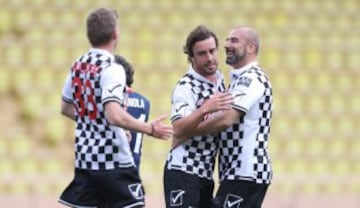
(199, 77)
(236, 73)
(102, 52)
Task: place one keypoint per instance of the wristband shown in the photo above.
(152, 129)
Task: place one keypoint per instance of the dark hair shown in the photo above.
(129, 71)
(100, 26)
(200, 33)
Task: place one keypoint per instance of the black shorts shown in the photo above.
(240, 194)
(184, 190)
(116, 188)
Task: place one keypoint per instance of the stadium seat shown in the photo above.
(5, 16)
(353, 104)
(315, 147)
(54, 131)
(302, 82)
(31, 107)
(21, 82)
(5, 82)
(27, 167)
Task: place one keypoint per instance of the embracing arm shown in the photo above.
(184, 127)
(216, 123)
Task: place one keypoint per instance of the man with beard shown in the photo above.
(244, 164)
(188, 173)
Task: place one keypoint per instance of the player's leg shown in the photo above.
(80, 192)
(245, 194)
(120, 187)
(181, 189)
(206, 192)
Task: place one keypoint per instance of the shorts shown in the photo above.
(240, 194)
(183, 190)
(115, 188)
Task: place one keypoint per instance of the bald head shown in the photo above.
(241, 46)
(249, 34)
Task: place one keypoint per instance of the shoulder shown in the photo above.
(114, 68)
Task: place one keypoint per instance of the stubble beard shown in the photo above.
(234, 59)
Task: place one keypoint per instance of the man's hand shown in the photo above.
(160, 130)
(218, 101)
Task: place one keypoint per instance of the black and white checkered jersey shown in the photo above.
(243, 153)
(94, 80)
(196, 155)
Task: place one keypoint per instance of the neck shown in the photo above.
(243, 62)
(108, 47)
(211, 78)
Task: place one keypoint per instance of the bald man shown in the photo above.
(244, 164)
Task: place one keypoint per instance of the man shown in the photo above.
(136, 105)
(244, 164)
(93, 96)
(188, 173)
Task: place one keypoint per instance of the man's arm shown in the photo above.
(219, 121)
(68, 110)
(117, 116)
(185, 126)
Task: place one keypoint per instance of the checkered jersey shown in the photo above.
(243, 151)
(95, 79)
(197, 154)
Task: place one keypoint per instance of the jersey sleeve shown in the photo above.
(67, 95)
(182, 102)
(246, 92)
(113, 84)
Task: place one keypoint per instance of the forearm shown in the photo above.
(117, 116)
(217, 122)
(214, 124)
(183, 127)
(68, 110)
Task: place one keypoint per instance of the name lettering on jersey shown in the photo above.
(136, 190)
(246, 81)
(135, 103)
(233, 201)
(176, 197)
(85, 67)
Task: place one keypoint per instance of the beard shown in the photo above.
(234, 59)
(210, 70)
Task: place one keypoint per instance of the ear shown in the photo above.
(191, 59)
(251, 47)
(116, 33)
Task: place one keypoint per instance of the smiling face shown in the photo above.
(240, 48)
(205, 57)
